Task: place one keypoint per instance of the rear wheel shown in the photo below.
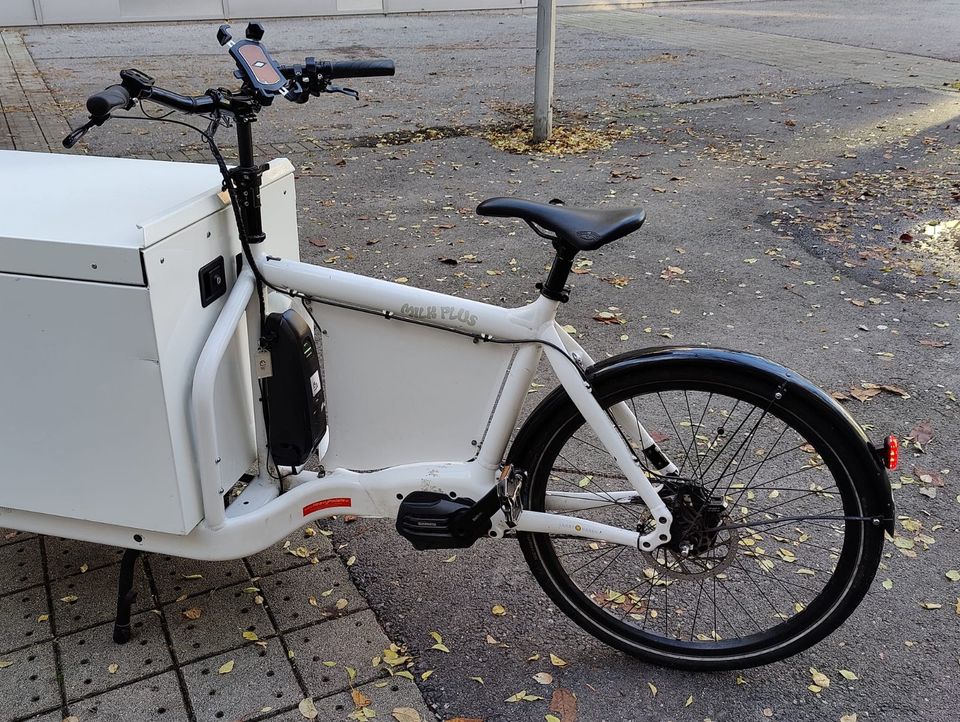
(765, 559)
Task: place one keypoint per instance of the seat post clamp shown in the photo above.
(561, 296)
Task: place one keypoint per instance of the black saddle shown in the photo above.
(584, 229)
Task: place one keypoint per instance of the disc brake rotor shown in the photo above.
(711, 562)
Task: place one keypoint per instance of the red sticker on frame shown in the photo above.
(343, 501)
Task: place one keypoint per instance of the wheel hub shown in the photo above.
(699, 546)
(696, 518)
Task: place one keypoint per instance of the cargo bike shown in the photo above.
(177, 381)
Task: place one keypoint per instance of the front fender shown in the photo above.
(678, 362)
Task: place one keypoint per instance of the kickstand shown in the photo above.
(126, 596)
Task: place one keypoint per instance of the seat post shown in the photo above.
(555, 287)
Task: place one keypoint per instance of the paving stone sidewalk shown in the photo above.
(31, 118)
(309, 633)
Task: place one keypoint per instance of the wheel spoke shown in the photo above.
(606, 567)
(676, 431)
(759, 466)
(693, 433)
(604, 492)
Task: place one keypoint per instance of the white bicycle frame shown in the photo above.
(268, 510)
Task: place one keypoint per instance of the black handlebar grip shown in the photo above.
(116, 96)
(356, 68)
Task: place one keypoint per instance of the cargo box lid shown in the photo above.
(88, 218)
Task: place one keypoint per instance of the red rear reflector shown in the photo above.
(891, 452)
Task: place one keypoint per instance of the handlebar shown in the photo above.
(356, 68)
(263, 80)
(101, 104)
(183, 103)
(116, 96)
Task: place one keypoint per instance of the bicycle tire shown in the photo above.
(807, 411)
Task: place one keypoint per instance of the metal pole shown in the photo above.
(543, 85)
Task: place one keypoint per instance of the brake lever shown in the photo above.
(75, 136)
(345, 91)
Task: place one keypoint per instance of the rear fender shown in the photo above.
(678, 362)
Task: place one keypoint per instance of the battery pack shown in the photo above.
(296, 411)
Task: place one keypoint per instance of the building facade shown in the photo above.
(52, 12)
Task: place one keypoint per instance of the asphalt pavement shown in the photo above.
(807, 205)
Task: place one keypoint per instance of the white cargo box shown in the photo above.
(102, 323)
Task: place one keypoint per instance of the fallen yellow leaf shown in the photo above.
(819, 678)
(226, 668)
(307, 708)
(406, 714)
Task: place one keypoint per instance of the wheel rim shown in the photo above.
(742, 589)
